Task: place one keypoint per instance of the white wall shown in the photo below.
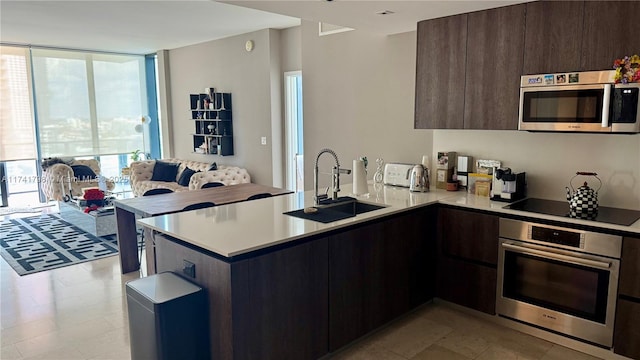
(291, 49)
(551, 159)
(227, 66)
(164, 97)
(358, 94)
(277, 115)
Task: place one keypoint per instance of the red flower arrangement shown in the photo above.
(93, 194)
(627, 69)
(94, 199)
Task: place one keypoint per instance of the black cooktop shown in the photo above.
(561, 208)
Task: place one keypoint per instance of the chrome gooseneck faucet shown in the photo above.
(335, 173)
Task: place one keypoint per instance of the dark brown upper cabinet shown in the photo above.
(440, 73)
(552, 33)
(611, 31)
(471, 64)
(495, 45)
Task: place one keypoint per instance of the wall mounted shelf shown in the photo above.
(213, 123)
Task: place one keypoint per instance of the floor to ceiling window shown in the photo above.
(77, 104)
(17, 136)
(88, 104)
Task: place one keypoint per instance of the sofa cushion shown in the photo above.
(228, 175)
(83, 172)
(185, 177)
(163, 171)
(147, 185)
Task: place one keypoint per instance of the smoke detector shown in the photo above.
(384, 12)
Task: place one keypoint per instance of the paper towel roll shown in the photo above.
(425, 161)
(359, 178)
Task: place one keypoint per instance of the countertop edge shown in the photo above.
(394, 206)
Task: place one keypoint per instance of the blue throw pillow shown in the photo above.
(164, 171)
(186, 176)
(213, 166)
(83, 172)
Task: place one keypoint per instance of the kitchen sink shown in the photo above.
(350, 206)
(334, 210)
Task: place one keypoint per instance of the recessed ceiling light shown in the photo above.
(385, 12)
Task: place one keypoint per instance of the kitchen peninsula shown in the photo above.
(300, 289)
(144, 206)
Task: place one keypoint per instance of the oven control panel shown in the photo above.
(556, 236)
(569, 238)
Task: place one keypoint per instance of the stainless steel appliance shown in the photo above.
(557, 278)
(579, 102)
(418, 179)
(397, 174)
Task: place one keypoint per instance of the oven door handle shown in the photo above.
(550, 255)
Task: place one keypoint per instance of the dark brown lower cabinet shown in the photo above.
(630, 268)
(467, 258)
(303, 301)
(467, 284)
(626, 336)
(272, 306)
(378, 272)
(316, 296)
(469, 235)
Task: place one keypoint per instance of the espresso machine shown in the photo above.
(508, 186)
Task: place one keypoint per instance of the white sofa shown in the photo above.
(142, 172)
(59, 181)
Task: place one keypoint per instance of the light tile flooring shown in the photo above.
(439, 332)
(79, 312)
(75, 312)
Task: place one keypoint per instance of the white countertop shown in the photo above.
(235, 229)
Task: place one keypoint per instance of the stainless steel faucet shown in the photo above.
(335, 173)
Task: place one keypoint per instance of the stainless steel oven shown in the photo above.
(560, 279)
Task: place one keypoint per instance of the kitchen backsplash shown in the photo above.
(551, 159)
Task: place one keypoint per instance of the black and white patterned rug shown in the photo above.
(45, 242)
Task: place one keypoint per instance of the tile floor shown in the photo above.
(439, 332)
(79, 312)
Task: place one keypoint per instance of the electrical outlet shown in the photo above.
(263, 140)
(189, 268)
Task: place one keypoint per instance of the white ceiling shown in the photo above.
(138, 27)
(362, 14)
(143, 27)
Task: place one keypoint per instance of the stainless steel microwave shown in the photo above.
(578, 102)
